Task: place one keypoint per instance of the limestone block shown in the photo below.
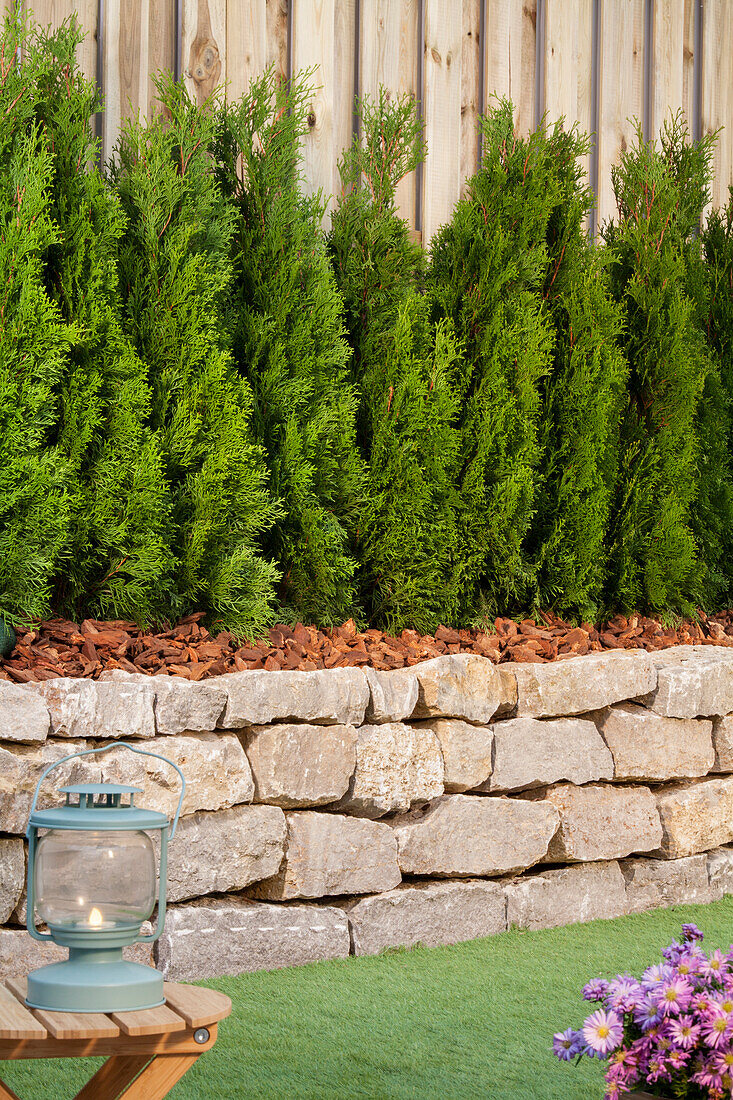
(696, 815)
(214, 853)
(602, 822)
(12, 875)
(466, 749)
(651, 883)
(580, 684)
(531, 752)
(214, 765)
(692, 681)
(206, 939)
(104, 709)
(723, 743)
(583, 892)
(19, 953)
(294, 764)
(428, 913)
(336, 696)
(332, 854)
(393, 695)
(648, 746)
(180, 705)
(720, 871)
(23, 716)
(20, 769)
(397, 767)
(463, 685)
(460, 835)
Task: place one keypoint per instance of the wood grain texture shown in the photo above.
(510, 56)
(149, 1021)
(388, 52)
(620, 90)
(203, 48)
(277, 36)
(17, 1021)
(199, 1007)
(158, 1077)
(314, 48)
(112, 1077)
(6, 1093)
(246, 44)
(569, 64)
(688, 60)
(53, 12)
(717, 91)
(179, 1042)
(344, 90)
(668, 56)
(470, 87)
(442, 112)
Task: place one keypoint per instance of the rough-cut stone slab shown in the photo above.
(602, 822)
(180, 705)
(696, 815)
(530, 752)
(12, 875)
(333, 696)
(215, 766)
(397, 767)
(460, 835)
(19, 953)
(723, 743)
(20, 769)
(584, 683)
(233, 935)
(393, 695)
(463, 685)
(429, 913)
(586, 891)
(23, 716)
(647, 746)
(651, 883)
(103, 709)
(466, 749)
(301, 765)
(332, 854)
(720, 871)
(692, 681)
(213, 853)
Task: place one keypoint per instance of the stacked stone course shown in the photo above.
(341, 812)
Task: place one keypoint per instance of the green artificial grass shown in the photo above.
(475, 1020)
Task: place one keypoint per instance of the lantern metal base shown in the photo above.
(95, 980)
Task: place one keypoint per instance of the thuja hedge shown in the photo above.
(215, 397)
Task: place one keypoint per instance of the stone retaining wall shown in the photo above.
(345, 811)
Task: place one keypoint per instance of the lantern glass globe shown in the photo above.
(95, 879)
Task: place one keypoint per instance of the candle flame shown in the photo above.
(95, 918)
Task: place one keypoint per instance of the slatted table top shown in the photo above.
(187, 1007)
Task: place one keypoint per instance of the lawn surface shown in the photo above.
(475, 1020)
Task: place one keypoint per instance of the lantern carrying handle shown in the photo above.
(106, 748)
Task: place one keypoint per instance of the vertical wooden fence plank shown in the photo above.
(277, 36)
(620, 90)
(510, 56)
(313, 47)
(668, 63)
(688, 61)
(388, 51)
(53, 12)
(203, 52)
(717, 91)
(246, 45)
(470, 81)
(344, 86)
(442, 112)
(568, 63)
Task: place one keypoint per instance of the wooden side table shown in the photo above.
(147, 1052)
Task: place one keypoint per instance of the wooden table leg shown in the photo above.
(6, 1093)
(158, 1077)
(116, 1074)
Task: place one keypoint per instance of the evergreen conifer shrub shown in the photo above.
(288, 339)
(404, 367)
(175, 271)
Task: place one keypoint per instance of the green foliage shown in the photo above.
(175, 271)
(488, 268)
(116, 560)
(287, 322)
(404, 366)
(660, 192)
(34, 502)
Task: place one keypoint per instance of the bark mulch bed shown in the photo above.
(62, 648)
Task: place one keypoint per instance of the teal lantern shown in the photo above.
(92, 879)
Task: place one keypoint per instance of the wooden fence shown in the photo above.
(600, 62)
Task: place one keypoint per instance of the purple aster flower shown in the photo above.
(595, 990)
(684, 1032)
(689, 964)
(672, 996)
(615, 1088)
(603, 1032)
(566, 1044)
(716, 1028)
(723, 1002)
(715, 965)
(678, 1059)
(691, 933)
(721, 1061)
(653, 975)
(647, 1014)
(624, 993)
